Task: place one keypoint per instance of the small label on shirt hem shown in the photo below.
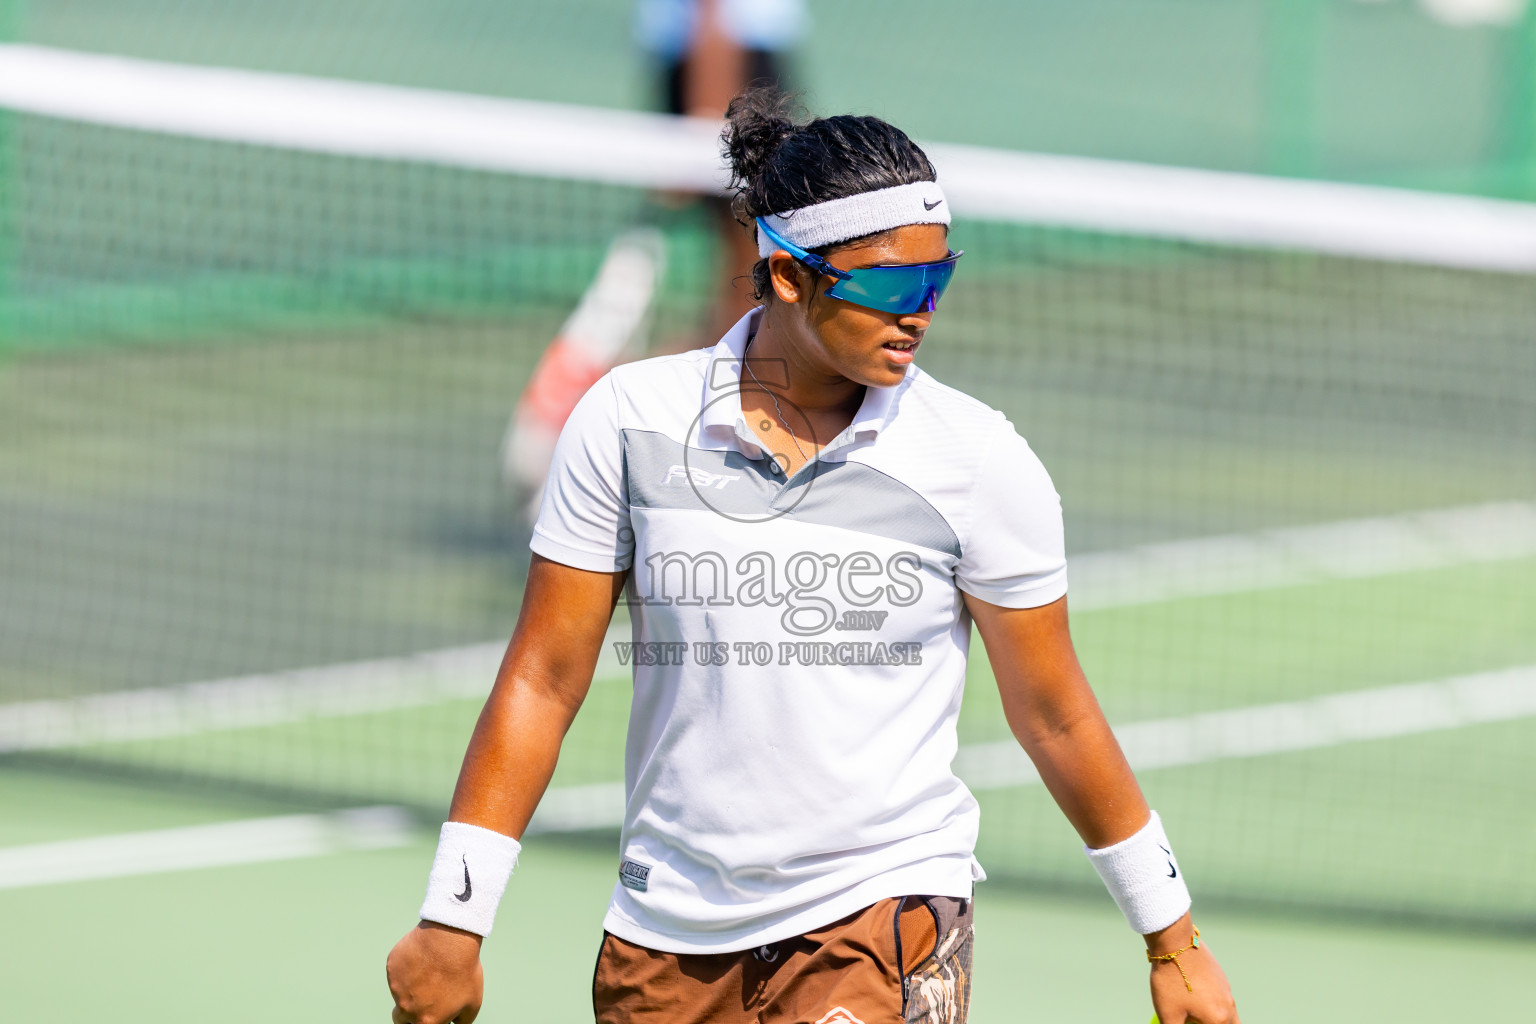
(634, 875)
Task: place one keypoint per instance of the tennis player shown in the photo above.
(804, 525)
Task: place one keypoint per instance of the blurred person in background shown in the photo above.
(703, 52)
(706, 52)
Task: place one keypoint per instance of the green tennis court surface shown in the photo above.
(305, 939)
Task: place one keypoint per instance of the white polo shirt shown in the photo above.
(799, 645)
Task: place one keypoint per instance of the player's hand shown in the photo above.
(1210, 1002)
(435, 976)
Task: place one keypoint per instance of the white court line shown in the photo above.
(270, 698)
(1331, 720)
(1294, 555)
(274, 698)
(1227, 564)
(653, 151)
(1338, 718)
(1327, 721)
(254, 841)
(599, 805)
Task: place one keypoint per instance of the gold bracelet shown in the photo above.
(1174, 958)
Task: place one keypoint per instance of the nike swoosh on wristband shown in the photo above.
(928, 206)
(463, 897)
(1173, 872)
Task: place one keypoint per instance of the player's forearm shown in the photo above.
(541, 684)
(1054, 715)
(1083, 767)
(511, 757)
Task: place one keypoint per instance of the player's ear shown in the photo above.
(785, 275)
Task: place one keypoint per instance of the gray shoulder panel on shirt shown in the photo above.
(857, 497)
(665, 474)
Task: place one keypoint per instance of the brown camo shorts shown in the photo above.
(904, 960)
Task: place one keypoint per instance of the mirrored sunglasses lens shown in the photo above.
(891, 289)
(906, 289)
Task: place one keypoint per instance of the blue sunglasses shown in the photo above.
(903, 288)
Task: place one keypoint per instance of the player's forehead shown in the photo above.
(912, 243)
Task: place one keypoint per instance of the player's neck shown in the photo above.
(787, 365)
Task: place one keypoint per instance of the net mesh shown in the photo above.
(255, 533)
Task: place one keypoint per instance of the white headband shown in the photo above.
(867, 213)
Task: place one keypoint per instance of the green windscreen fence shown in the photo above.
(253, 529)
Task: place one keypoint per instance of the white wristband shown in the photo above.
(1143, 876)
(468, 877)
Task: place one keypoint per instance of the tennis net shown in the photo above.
(261, 335)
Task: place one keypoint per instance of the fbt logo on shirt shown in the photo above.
(698, 478)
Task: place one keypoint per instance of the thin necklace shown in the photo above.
(772, 398)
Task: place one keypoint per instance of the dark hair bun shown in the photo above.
(757, 123)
